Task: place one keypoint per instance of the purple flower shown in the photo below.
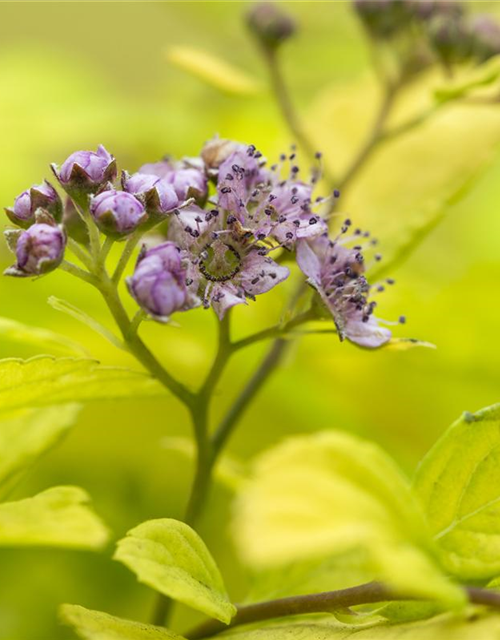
(337, 274)
(159, 282)
(40, 196)
(117, 213)
(266, 204)
(224, 265)
(86, 171)
(187, 181)
(39, 249)
(157, 194)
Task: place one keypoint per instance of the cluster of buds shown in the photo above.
(44, 222)
(440, 29)
(228, 219)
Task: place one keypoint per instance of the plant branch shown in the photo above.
(277, 331)
(326, 602)
(130, 245)
(263, 372)
(375, 136)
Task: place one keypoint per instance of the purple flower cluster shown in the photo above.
(229, 219)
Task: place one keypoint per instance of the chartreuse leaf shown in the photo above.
(25, 435)
(96, 625)
(328, 493)
(74, 312)
(45, 380)
(212, 70)
(59, 517)
(458, 483)
(19, 332)
(170, 557)
(443, 627)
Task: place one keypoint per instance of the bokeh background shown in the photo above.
(73, 75)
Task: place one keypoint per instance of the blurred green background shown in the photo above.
(73, 75)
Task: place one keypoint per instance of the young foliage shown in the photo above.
(96, 625)
(26, 435)
(458, 483)
(60, 517)
(170, 557)
(321, 495)
(15, 331)
(45, 380)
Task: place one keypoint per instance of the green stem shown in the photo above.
(80, 253)
(374, 137)
(263, 372)
(326, 602)
(275, 332)
(137, 347)
(130, 245)
(71, 268)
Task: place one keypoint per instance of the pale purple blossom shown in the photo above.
(337, 273)
(264, 202)
(226, 265)
(159, 282)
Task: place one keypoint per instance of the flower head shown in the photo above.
(117, 213)
(38, 250)
(40, 196)
(159, 282)
(337, 273)
(265, 203)
(86, 171)
(226, 264)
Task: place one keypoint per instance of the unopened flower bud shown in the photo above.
(485, 37)
(40, 196)
(270, 25)
(117, 213)
(451, 39)
(39, 249)
(187, 177)
(159, 282)
(384, 18)
(84, 172)
(158, 195)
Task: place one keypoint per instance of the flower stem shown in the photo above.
(326, 602)
(130, 245)
(375, 136)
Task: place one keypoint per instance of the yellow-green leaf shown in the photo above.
(96, 625)
(58, 517)
(212, 70)
(45, 380)
(38, 337)
(329, 493)
(458, 483)
(25, 435)
(170, 557)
